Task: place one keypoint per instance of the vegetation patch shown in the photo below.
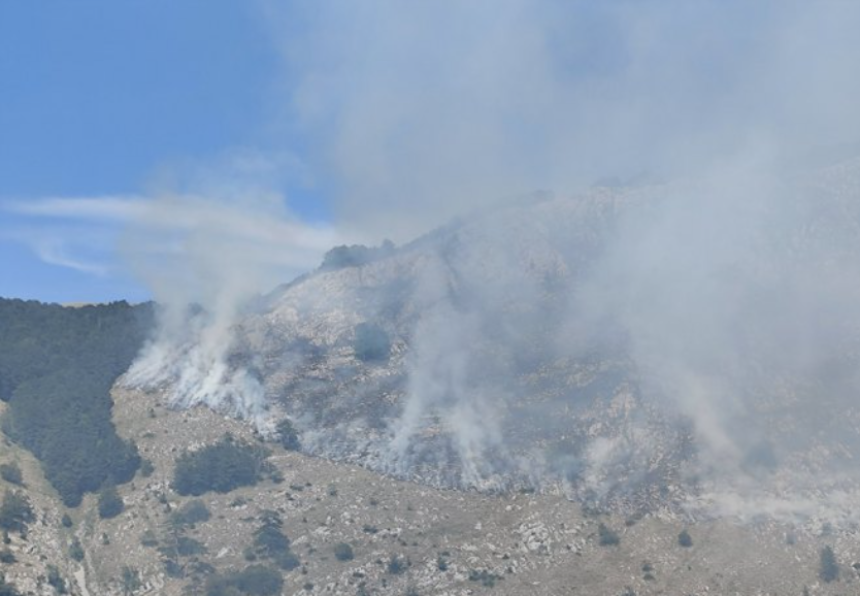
(372, 343)
(607, 536)
(219, 468)
(57, 366)
(15, 511)
(192, 513)
(828, 569)
(11, 473)
(110, 503)
(254, 580)
(343, 552)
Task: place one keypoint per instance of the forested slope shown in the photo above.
(57, 366)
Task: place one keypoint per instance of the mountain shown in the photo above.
(646, 390)
(683, 346)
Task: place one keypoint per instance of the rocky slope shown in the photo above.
(444, 542)
(536, 400)
(632, 347)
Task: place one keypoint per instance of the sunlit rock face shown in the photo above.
(680, 345)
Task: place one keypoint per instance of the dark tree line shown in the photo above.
(57, 366)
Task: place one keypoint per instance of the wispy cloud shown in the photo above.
(98, 208)
(60, 230)
(57, 252)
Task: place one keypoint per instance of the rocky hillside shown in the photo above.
(400, 537)
(628, 347)
(630, 391)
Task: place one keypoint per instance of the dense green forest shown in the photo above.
(57, 366)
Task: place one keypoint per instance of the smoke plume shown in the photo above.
(206, 259)
(700, 289)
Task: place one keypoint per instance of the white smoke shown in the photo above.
(206, 259)
(732, 291)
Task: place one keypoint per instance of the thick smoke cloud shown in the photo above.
(431, 110)
(422, 110)
(206, 257)
(729, 285)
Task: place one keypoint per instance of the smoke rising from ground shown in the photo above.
(727, 296)
(206, 258)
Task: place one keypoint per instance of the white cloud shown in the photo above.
(98, 208)
(56, 252)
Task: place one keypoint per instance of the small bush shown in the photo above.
(110, 503)
(270, 541)
(288, 436)
(371, 343)
(187, 547)
(828, 569)
(66, 521)
(148, 539)
(220, 468)
(684, 539)
(343, 552)
(146, 468)
(607, 537)
(255, 580)
(356, 255)
(15, 511)
(288, 561)
(11, 473)
(130, 579)
(487, 579)
(396, 566)
(56, 580)
(193, 512)
(7, 557)
(76, 551)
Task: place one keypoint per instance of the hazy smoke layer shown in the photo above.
(206, 258)
(731, 293)
(712, 320)
(424, 110)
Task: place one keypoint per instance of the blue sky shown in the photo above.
(148, 141)
(101, 99)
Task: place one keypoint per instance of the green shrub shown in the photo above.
(146, 468)
(220, 468)
(254, 580)
(15, 511)
(76, 551)
(130, 579)
(828, 569)
(148, 539)
(288, 436)
(7, 557)
(396, 565)
(270, 541)
(11, 473)
(55, 580)
(110, 503)
(684, 539)
(356, 255)
(607, 537)
(487, 579)
(193, 512)
(343, 552)
(7, 589)
(287, 561)
(66, 521)
(187, 547)
(371, 343)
